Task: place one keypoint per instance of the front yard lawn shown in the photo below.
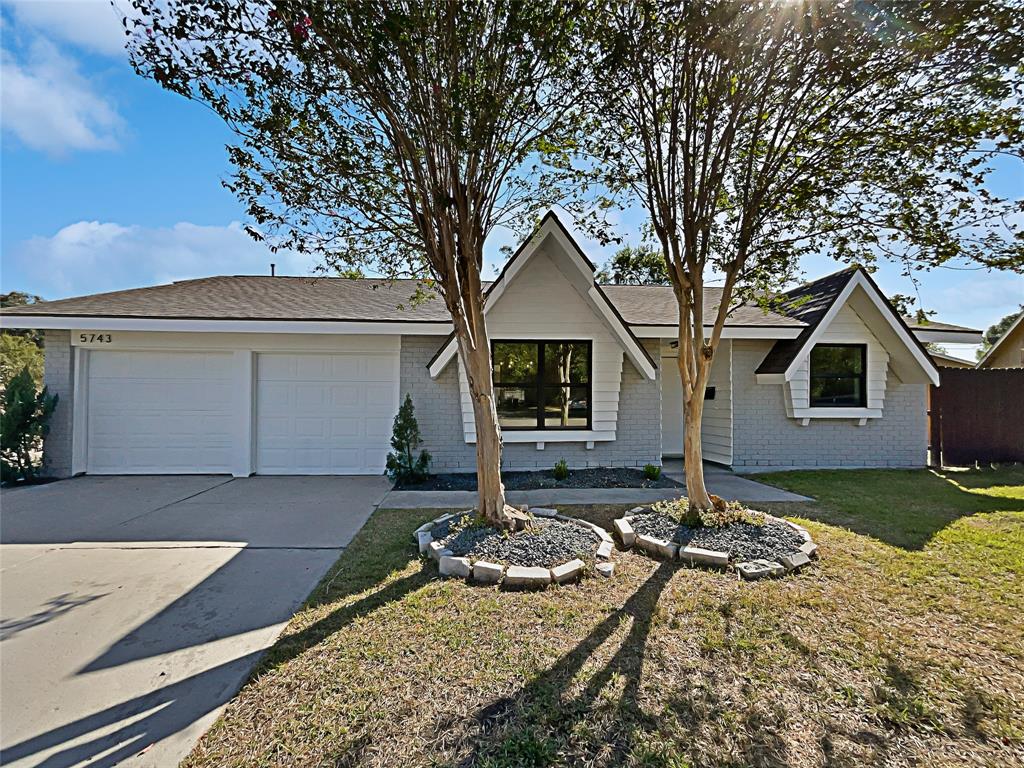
(902, 646)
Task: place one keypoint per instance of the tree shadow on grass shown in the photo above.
(903, 508)
(603, 718)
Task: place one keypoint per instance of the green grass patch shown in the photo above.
(903, 645)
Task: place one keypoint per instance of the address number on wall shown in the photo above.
(95, 338)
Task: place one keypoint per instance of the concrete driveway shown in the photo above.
(133, 608)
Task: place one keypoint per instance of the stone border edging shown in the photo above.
(532, 577)
(753, 569)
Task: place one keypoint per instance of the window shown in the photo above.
(542, 384)
(839, 376)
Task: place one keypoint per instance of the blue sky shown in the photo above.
(109, 182)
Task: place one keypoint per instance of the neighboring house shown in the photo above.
(287, 375)
(942, 360)
(1008, 351)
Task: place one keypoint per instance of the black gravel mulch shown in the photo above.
(547, 544)
(598, 477)
(743, 541)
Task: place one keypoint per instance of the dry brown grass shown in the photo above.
(879, 654)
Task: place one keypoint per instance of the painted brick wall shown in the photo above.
(638, 434)
(59, 378)
(763, 436)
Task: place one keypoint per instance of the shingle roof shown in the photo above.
(656, 305)
(247, 297)
(809, 303)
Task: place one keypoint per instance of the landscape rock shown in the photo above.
(454, 566)
(487, 573)
(804, 534)
(423, 539)
(604, 551)
(527, 576)
(438, 550)
(795, 560)
(657, 547)
(809, 548)
(625, 531)
(560, 574)
(774, 568)
(704, 556)
(754, 569)
(649, 544)
(543, 511)
(605, 569)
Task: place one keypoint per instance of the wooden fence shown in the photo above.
(977, 415)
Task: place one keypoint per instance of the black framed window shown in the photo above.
(542, 384)
(839, 376)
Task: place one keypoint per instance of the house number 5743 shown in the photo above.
(94, 338)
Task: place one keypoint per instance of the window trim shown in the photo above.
(540, 386)
(863, 376)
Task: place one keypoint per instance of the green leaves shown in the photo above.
(23, 423)
(402, 465)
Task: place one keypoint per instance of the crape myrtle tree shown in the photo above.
(755, 132)
(388, 134)
(635, 265)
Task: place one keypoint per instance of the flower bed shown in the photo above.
(754, 543)
(592, 477)
(551, 548)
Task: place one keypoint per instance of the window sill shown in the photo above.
(554, 436)
(860, 414)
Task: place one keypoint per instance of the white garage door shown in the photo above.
(159, 412)
(325, 414)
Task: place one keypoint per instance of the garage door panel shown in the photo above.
(336, 418)
(351, 397)
(159, 412)
(310, 398)
(378, 368)
(379, 399)
(379, 425)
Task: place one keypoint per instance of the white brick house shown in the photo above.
(285, 375)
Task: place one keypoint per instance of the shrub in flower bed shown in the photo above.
(549, 548)
(730, 535)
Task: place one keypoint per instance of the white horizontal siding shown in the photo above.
(716, 425)
(541, 303)
(845, 328)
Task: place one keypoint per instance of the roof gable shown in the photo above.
(554, 240)
(995, 348)
(818, 303)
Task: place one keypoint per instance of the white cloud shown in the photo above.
(47, 104)
(93, 25)
(92, 257)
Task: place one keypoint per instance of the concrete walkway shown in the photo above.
(720, 482)
(133, 608)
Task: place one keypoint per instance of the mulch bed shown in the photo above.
(598, 477)
(547, 543)
(743, 541)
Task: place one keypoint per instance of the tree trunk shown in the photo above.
(693, 458)
(475, 352)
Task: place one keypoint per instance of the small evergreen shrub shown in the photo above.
(561, 470)
(402, 465)
(652, 471)
(23, 424)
